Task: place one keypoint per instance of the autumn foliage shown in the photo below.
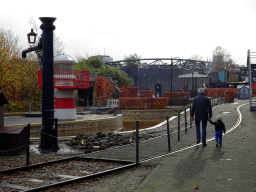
(103, 89)
(130, 91)
(18, 79)
(147, 93)
(143, 103)
(228, 93)
(130, 99)
(177, 97)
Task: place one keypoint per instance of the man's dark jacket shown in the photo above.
(201, 108)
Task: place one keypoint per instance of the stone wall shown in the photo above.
(72, 128)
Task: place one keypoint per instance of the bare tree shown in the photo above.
(196, 57)
(222, 59)
(131, 64)
(80, 58)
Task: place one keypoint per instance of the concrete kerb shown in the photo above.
(78, 124)
(160, 124)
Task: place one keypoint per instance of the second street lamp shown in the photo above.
(32, 37)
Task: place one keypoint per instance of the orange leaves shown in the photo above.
(147, 93)
(228, 93)
(143, 103)
(130, 91)
(196, 187)
(103, 89)
(177, 97)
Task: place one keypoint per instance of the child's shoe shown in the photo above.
(220, 144)
(217, 144)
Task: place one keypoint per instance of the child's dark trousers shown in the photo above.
(218, 136)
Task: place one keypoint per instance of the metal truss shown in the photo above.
(205, 66)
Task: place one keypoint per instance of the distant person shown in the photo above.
(185, 87)
(202, 110)
(219, 128)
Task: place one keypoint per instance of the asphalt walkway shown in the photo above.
(231, 167)
(227, 168)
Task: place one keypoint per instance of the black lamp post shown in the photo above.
(44, 51)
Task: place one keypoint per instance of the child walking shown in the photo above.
(219, 127)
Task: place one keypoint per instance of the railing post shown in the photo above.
(29, 107)
(168, 133)
(93, 102)
(99, 102)
(185, 113)
(27, 148)
(137, 142)
(190, 121)
(87, 103)
(178, 125)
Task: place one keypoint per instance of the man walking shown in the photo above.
(202, 110)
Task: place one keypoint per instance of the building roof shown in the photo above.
(194, 75)
(64, 58)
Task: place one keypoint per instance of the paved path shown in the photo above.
(227, 168)
(158, 146)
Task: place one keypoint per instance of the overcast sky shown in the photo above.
(152, 29)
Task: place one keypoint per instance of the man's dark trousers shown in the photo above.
(198, 133)
(202, 110)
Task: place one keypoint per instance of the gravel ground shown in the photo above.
(127, 180)
(121, 181)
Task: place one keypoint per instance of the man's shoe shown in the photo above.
(217, 144)
(204, 145)
(198, 141)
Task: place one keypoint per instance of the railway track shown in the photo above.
(43, 176)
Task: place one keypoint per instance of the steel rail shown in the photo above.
(99, 174)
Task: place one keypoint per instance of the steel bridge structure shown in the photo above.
(205, 66)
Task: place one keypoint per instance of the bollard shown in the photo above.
(41, 105)
(93, 102)
(185, 113)
(99, 102)
(27, 150)
(137, 143)
(168, 133)
(29, 107)
(190, 117)
(87, 103)
(178, 126)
